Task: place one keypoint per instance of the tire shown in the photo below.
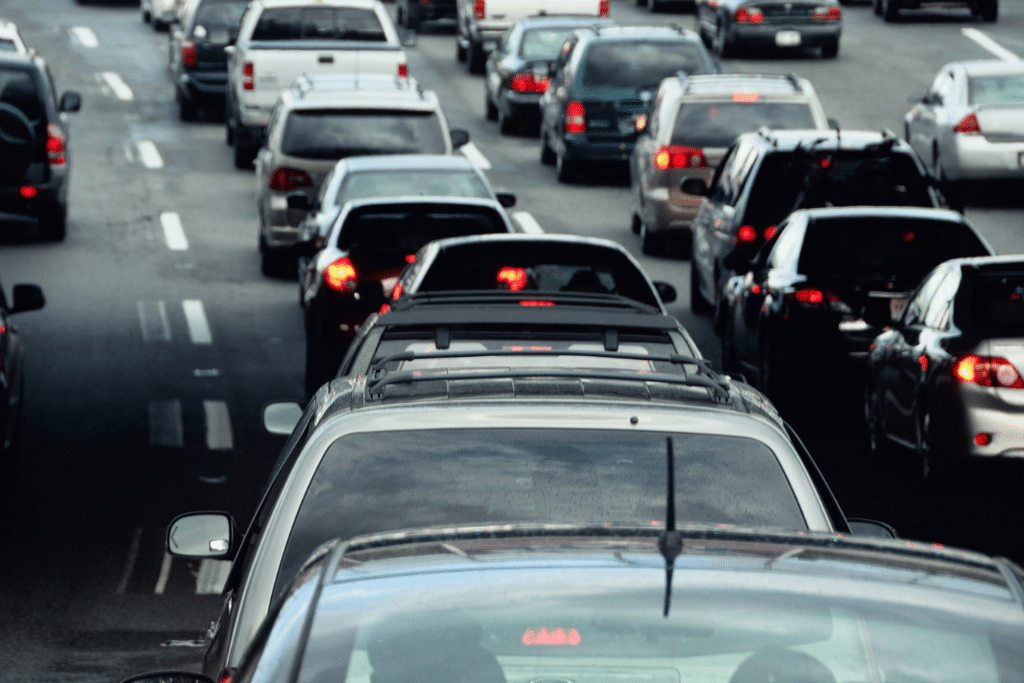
(245, 153)
(698, 304)
(490, 109)
(990, 11)
(722, 46)
(635, 227)
(272, 262)
(566, 170)
(475, 58)
(830, 49)
(940, 473)
(728, 349)
(146, 17)
(316, 375)
(547, 155)
(876, 7)
(651, 244)
(507, 124)
(187, 109)
(890, 10)
(53, 225)
(460, 50)
(409, 21)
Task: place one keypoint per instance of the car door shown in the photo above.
(923, 128)
(708, 220)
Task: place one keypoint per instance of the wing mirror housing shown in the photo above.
(459, 137)
(506, 199)
(27, 298)
(694, 186)
(202, 535)
(299, 201)
(281, 417)
(666, 291)
(70, 101)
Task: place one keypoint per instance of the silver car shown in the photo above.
(970, 124)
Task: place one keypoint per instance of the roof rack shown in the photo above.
(795, 80)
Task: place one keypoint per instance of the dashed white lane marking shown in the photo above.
(165, 573)
(198, 327)
(149, 155)
(992, 46)
(153, 321)
(165, 424)
(212, 576)
(118, 86)
(85, 36)
(473, 153)
(527, 222)
(129, 564)
(218, 426)
(174, 234)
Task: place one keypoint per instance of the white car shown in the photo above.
(10, 39)
(970, 125)
(159, 12)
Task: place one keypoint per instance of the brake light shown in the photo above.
(677, 156)
(248, 76)
(226, 676)
(403, 71)
(748, 14)
(396, 293)
(530, 302)
(55, 150)
(745, 235)
(968, 125)
(988, 371)
(602, 8)
(479, 9)
(286, 179)
(188, 52)
(575, 117)
(513, 278)
(745, 97)
(28, 192)
(341, 275)
(529, 83)
(832, 13)
(769, 232)
(808, 296)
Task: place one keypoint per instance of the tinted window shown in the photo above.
(318, 23)
(397, 183)
(394, 480)
(996, 89)
(640, 65)
(216, 17)
(543, 43)
(996, 306)
(716, 124)
(333, 134)
(406, 231)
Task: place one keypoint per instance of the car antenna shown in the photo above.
(671, 543)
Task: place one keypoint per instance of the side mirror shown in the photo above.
(738, 261)
(70, 101)
(27, 298)
(229, 49)
(833, 123)
(870, 527)
(459, 137)
(666, 291)
(506, 199)
(201, 535)
(169, 677)
(299, 201)
(694, 186)
(407, 37)
(281, 417)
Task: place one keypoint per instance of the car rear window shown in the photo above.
(319, 23)
(996, 89)
(543, 43)
(640, 64)
(219, 21)
(398, 183)
(997, 305)
(375, 481)
(338, 133)
(404, 231)
(18, 89)
(716, 124)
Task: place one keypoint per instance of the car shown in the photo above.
(806, 303)
(539, 444)
(726, 26)
(602, 87)
(12, 370)
(519, 69)
(160, 13)
(349, 273)
(412, 13)
(326, 118)
(198, 63)
(35, 146)
(693, 121)
(986, 10)
(768, 174)
(10, 38)
(943, 381)
(968, 126)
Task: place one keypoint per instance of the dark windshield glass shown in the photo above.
(996, 89)
(640, 65)
(716, 124)
(318, 23)
(996, 306)
(388, 231)
(543, 43)
(398, 183)
(220, 16)
(334, 134)
(392, 480)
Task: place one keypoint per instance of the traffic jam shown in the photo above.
(512, 341)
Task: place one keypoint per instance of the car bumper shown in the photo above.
(16, 209)
(809, 36)
(204, 88)
(577, 147)
(987, 412)
(975, 158)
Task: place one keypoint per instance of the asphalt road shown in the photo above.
(149, 365)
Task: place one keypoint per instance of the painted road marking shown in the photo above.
(473, 153)
(992, 46)
(527, 222)
(85, 36)
(212, 576)
(129, 564)
(218, 426)
(153, 321)
(198, 327)
(174, 234)
(166, 428)
(118, 86)
(165, 573)
(149, 155)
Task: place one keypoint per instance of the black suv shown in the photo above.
(766, 175)
(601, 89)
(33, 145)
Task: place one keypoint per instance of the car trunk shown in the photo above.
(1001, 123)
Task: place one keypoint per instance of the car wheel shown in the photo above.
(728, 347)
(830, 49)
(990, 11)
(635, 227)
(506, 124)
(547, 155)
(272, 261)
(410, 21)
(651, 243)
(146, 16)
(460, 49)
(890, 10)
(245, 152)
(949, 188)
(187, 109)
(53, 223)
(566, 170)
(490, 109)
(939, 471)
(654, 6)
(698, 304)
(722, 46)
(475, 58)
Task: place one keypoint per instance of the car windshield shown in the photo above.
(640, 64)
(996, 306)
(18, 89)
(399, 182)
(716, 124)
(996, 89)
(404, 231)
(373, 481)
(543, 43)
(319, 23)
(335, 134)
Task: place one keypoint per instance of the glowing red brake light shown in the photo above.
(677, 156)
(745, 97)
(769, 232)
(745, 235)
(809, 296)
(575, 117)
(558, 636)
(188, 52)
(529, 83)
(832, 13)
(988, 371)
(28, 192)
(226, 676)
(248, 76)
(603, 9)
(341, 275)
(286, 179)
(55, 150)
(403, 71)
(968, 125)
(513, 278)
(480, 9)
(751, 14)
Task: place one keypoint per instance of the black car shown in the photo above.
(34, 145)
(986, 10)
(519, 69)
(602, 88)
(199, 66)
(12, 377)
(411, 13)
(728, 25)
(808, 302)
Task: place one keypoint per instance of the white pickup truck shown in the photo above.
(281, 40)
(482, 23)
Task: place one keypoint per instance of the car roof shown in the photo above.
(764, 84)
(563, 21)
(828, 140)
(409, 162)
(905, 212)
(1015, 261)
(989, 67)
(653, 32)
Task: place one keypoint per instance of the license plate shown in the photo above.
(788, 38)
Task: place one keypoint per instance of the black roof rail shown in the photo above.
(766, 133)
(795, 80)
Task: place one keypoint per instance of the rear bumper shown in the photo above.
(985, 411)
(576, 147)
(204, 88)
(15, 209)
(975, 158)
(810, 35)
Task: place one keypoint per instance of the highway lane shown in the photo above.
(142, 403)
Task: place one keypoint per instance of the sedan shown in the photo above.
(728, 25)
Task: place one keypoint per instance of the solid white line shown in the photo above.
(198, 327)
(149, 155)
(117, 84)
(212, 576)
(165, 573)
(218, 426)
(473, 153)
(153, 321)
(173, 232)
(990, 45)
(85, 36)
(165, 425)
(129, 564)
(528, 223)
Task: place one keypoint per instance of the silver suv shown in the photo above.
(321, 120)
(692, 124)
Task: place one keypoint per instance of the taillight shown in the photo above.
(341, 275)
(675, 156)
(529, 83)
(748, 14)
(286, 179)
(55, 150)
(575, 118)
(403, 71)
(602, 8)
(769, 232)
(745, 235)
(988, 371)
(479, 9)
(188, 53)
(248, 76)
(968, 125)
(28, 192)
(513, 278)
(226, 676)
(824, 13)
(809, 296)
(396, 293)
